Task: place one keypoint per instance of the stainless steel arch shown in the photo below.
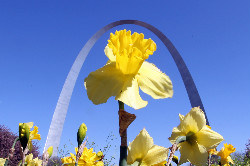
(56, 126)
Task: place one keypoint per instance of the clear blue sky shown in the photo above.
(39, 41)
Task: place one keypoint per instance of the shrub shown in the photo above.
(7, 138)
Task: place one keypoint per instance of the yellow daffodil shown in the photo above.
(2, 161)
(199, 137)
(33, 135)
(143, 150)
(32, 162)
(126, 71)
(225, 152)
(212, 151)
(88, 158)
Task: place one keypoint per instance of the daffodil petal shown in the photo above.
(181, 117)
(130, 160)
(139, 147)
(195, 153)
(194, 121)
(99, 163)
(30, 124)
(163, 163)
(104, 83)
(153, 82)
(184, 150)
(155, 155)
(175, 134)
(229, 159)
(34, 133)
(131, 96)
(2, 161)
(109, 53)
(208, 138)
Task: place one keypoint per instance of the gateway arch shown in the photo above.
(56, 126)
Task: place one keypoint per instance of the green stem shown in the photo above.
(13, 147)
(180, 139)
(123, 156)
(123, 149)
(121, 105)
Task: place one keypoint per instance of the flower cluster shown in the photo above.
(124, 73)
(88, 158)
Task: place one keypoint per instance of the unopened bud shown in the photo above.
(81, 134)
(24, 133)
(99, 155)
(175, 159)
(50, 151)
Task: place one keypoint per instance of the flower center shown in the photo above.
(191, 137)
(130, 50)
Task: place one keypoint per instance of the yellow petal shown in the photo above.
(195, 153)
(29, 158)
(229, 159)
(99, 163)
(208, 138)
(131, 96)
(181, 117)
(175, 134)
(139, 147)
(37, 162)
(34, 134)
(104, 83)
(2, 161)
(185, 147)
(29, 124)
(109, 53)
(163, 163)
(153, 82)
(194, 121)
(155, 155)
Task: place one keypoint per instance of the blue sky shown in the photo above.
(39, 41)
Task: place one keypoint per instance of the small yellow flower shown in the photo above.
(225, 152)
(88, 158)
(143, 150)
(200, 138)
(32, 162)
(50, 151)
(33, 135)
(126, 71)
(212, 151)
(2, 161)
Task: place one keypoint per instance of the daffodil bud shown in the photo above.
(175, 159)
(24, 133)
(50, 151)
(81, 134)
(99, 155)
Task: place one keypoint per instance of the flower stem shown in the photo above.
(123, 147)
(11, 151)
(209, 160)
(121, 105)
(174, 148)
